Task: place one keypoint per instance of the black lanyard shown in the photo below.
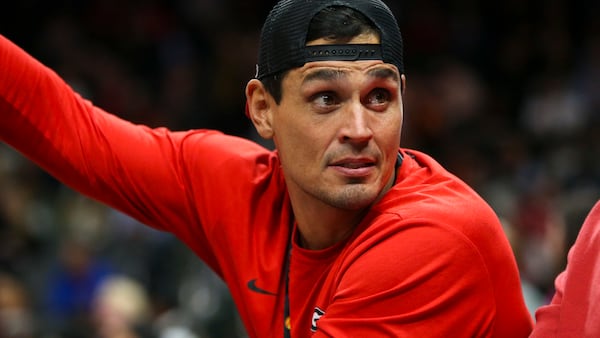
(287, 321)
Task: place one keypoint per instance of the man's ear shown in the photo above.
(259, 104)
(403, 83)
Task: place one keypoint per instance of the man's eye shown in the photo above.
(379, 96)
(325, 99)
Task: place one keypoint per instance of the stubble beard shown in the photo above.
(352, 196)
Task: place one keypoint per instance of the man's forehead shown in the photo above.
(341, 69)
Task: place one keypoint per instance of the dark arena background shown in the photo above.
(505, 94)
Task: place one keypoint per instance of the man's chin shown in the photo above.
(354, 197)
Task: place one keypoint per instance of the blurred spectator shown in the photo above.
(121, 309)
(16, 316)
(71, 287)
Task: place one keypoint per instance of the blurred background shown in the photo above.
(505, 94)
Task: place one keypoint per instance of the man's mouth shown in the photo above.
(354, 167)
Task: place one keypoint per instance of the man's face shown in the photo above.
(337, 130)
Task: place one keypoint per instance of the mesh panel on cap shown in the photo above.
(282, 44)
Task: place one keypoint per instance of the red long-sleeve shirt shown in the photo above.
(430, 259)
(575, 308)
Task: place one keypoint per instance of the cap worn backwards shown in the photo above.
(283, 36)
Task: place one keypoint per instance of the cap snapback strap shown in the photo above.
(341, 52)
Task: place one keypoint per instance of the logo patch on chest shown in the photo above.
(317, 314)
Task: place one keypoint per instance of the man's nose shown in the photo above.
(356, 128)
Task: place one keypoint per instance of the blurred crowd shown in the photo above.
(505, 94)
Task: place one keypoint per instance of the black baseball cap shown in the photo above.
(283, 36)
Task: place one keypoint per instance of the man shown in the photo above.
(574, 309)
(339, 232)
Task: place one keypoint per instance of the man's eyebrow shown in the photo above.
(336, 74)
(324, 75)
(384, 73)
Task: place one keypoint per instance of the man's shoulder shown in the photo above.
(425, 189)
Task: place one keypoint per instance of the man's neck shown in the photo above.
(322, 228)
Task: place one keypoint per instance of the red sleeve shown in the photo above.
(130, 167)
(548, 316)
(575, 306)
